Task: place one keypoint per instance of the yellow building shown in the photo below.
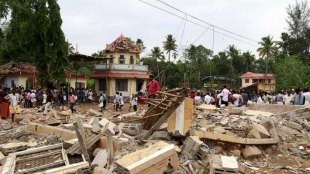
(123, 72)
(258, 81)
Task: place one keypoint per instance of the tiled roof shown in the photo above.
(122, 44)
(17, 67)
(257, 75)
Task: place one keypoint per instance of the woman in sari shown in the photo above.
(4, 105)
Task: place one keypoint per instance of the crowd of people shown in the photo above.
(243, 98)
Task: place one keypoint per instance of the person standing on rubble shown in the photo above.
(260, 100)
(49, 100)
(306, 94)
(279, 98)
(134, 102)
(72, 100)
(4, 104)
(298, 99)
(208, 99)
(152, 87)
(244, 98)
(224, 95)
(14, 99)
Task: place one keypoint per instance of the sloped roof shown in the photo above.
(17, 67)
(122, 44)
(257, 75)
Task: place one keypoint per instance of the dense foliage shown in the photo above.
(32, 33)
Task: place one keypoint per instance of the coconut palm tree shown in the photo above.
(170, 45)
(157, 54)
(248, 60)
(267, 50)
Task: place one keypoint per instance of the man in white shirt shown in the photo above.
(260, 99)
(224, 95)
(198, 99)
(307, 97)
(208, 99)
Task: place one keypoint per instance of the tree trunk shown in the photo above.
(169, 56)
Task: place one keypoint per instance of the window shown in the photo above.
(121, 59)
(132, 60)
(255, 80)
(121, 84)
(102, 85)
(269, 80)
(247, 80)
(111, 60)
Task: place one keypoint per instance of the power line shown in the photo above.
(203, 26)
(244, 37)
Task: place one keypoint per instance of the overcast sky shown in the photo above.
(93, 23)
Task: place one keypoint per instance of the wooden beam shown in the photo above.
(81, 141)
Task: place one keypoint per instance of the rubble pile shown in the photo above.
(171, 136)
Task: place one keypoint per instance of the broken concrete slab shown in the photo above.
(95, 125)
(154, 159)
(293, 125)
(206, 107)
(101, 158)
(191, 146)
(94, 112)
(258, 131)
(160, 135)
(235, 139)
(131, 129)
(223, 164)
(50, 130)
(251, 152)
(13, 147)
(258, 113)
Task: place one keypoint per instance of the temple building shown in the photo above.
(123, 72)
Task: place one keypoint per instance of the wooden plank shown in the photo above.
(72, 168)
(34, 169)
(81, 141)
(169, 94)
(40, 156)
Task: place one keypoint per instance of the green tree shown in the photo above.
(248, 60)
(267, 50)
(299, 29)
(157, 54)
(140, 44)
(297, 76)
(34, 35)
(170, 45)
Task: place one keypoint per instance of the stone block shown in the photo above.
(191, 146)
(101, 158)
(131, 129)
(294, 125)
(251, 152)
(160, 135)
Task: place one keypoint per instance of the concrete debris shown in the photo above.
(157, 158)
(101, 159)
(191, 146)
(294, 125)
(132, 129)
(251, 152)
(223, 164)
(160, 135)
(170, 136)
